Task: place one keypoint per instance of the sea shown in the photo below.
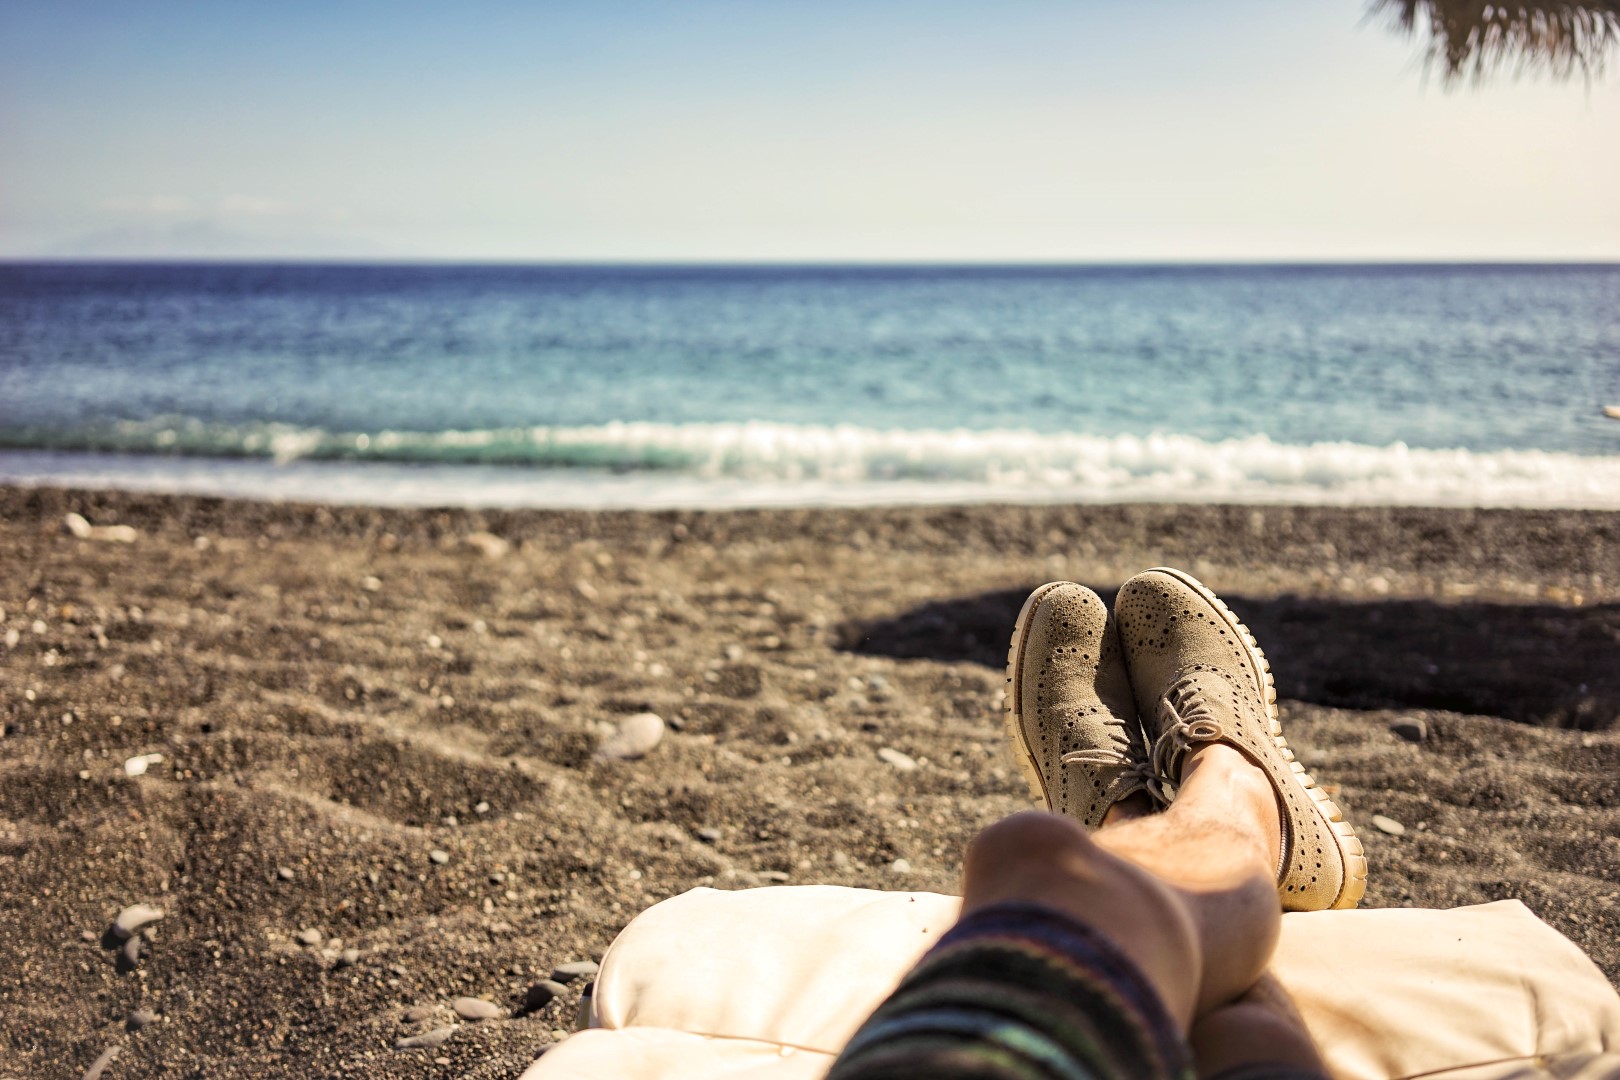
(715, 386)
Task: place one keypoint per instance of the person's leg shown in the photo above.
(1260, 1034)
(1189, 895)
(1082, 954)
(1090, 954)
(1067, 962)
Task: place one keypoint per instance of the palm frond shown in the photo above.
(1472, 38)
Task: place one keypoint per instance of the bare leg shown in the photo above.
(1262, 1027)
(1189, 895)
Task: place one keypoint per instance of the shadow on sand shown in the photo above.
(1535, 663)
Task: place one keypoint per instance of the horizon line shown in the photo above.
(793, 263)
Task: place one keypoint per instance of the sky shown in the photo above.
(781, 130)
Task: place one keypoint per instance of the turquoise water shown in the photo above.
(714, 386)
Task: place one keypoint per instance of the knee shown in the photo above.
(1027, 854)
(1025, 842)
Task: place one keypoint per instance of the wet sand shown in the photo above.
(337, 694)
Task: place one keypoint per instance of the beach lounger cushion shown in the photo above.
(768, 984)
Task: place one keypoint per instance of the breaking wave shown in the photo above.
(769, 462)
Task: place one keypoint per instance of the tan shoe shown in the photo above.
(1069, 705)
(1200, 677)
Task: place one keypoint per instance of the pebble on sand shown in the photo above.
(541, 994)
(417, 1013)
(1388, 825)
(139, 1018)
(285, 873)
(129, 955)
(903, 762)
(309, 936)
(137, 765)
(635, 737)
(439, 856)
(578, 969)
(471, 1008)
(133, 919)
(487, 544)
(1414, 730)
(900, 866)
(99, 1066)
(83, 530)
(348, 957)
(425, 1041)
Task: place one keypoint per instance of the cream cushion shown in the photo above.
(768, 984)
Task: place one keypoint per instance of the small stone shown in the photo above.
(77, 525)
(348, 958)
(89, 935)
(425, 1041)
(487, 544)
(1413, 731)
(903, 762)
(418, 1013)
(777, 876)
(137, 765)
(133, 919)
(309, 936)
(138, 1019)
(541, 994)
(578, 969)
(635, 737)
(129, 955)
(734, 652)
(471, 1008)
(117, 534)
(709, 835)
(481, 808)
(99, 1066)
(439, 856)
(371, 583)
(285, 873)
(900, 866)
(1388, 825)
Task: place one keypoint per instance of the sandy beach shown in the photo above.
(369, 737)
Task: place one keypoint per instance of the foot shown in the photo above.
(1199, 677)
(1069, 706)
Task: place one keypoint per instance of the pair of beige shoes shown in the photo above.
(1101, 707)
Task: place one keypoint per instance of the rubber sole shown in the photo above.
(1012, 705)
(1350, 849)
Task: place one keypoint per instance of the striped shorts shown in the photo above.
(1018, 991)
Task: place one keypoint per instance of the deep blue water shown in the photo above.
(1088, 381)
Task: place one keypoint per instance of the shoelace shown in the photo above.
(1117, 758)
(1184, 718)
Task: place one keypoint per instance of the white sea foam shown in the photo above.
(720, 464)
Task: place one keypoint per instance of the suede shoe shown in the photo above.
(1200, 677)
(1069, 706)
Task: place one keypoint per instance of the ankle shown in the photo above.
(1224, 778)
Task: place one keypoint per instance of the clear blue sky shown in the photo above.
(769, 129)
